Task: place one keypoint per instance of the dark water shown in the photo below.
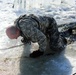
(46, 65)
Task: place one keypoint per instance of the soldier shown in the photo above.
(37, 29)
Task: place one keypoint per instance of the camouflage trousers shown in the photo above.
(57, 42)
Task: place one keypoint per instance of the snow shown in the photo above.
(13, 61)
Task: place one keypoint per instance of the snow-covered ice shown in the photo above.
(14, 62)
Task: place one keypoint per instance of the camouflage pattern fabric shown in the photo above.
(40, 29)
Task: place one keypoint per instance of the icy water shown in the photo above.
(15, 61)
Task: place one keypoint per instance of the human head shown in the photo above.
(13, 32)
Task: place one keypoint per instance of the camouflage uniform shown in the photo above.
(40, 29)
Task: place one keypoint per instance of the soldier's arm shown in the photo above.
(28, 29)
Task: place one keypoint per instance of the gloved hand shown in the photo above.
(36, 54)
(25, 40)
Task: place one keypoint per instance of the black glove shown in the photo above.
(36, 54)
(25, 40)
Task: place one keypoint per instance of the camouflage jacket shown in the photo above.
(34, 27)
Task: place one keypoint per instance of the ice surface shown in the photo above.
(34, 3)
(14, 61)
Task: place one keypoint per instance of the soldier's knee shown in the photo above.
(59, 47)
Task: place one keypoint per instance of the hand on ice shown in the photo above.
(36, 54)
